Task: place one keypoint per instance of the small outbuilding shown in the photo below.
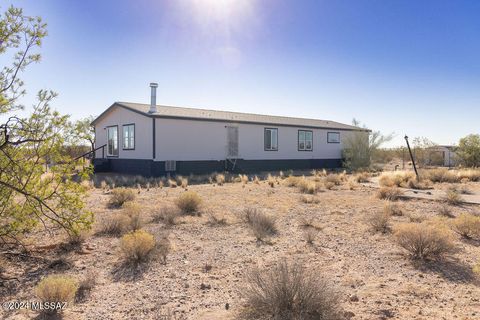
(155, 140)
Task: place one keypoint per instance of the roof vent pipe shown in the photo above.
(153, 98)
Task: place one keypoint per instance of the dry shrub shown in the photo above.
(335, 179)
(271, 180)
(396, 179)
(309, 199)
(309, 223)
(262, 225)
(220, 179)
(362, 177)
(289, 292)
(476, 269)
(328, 185)
(184, 183)
(415, 184)
(137, 246)
(256, 180)
(120, 196)
(114, 225)
(216, 219)
(467, 225)
(416, 218)
(380, 221)
(424, 241)
(168, 215)
(469, 175)
(163, 247)
(445, 211)
(310, 235)
(393, 209)
(75, 241)
(243, 178)
(441, 175)
(352, 184)
(293, 181)
(306, 186)
(85, 286)
(188, 202)
(389, 193)
(172, 183)
(56, 289)
(134, 213)
(452, 197)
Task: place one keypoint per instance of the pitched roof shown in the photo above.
(228, 116)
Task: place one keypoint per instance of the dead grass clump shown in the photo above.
(452, 197)
(380, 221)
(309, 223)
(445, 211)
(256, 180)
(469, 175)
(162, 248)
(476, 269)
(137, 246)
(306, 186)
(134, 213)
(329, 185)
(292, 181)
(467, 225)
(216, 219)
(115, 225)
(243, 178)
(310, 199)
(168, 215)
(289, 292)
(85, 286)
(389, 193)
(57, 289)
(120, 196)
(271, 180)
(393, 209)
(441, 175)
(188, 202)
(220, 179)
(262, 225)
(172, 183)
(424, 241)
(362, 177)
(335, 179)
(396, 179)
(310, 234)
(184, 183)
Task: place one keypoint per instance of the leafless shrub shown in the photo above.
(424, 241)
(262, 225)
(289, 292)
(467, 225)
(114, 225)
(310, 235)
(134, 213)
(172, 183)
(310, 199)
(120, 196)
(168, 215)
(380, 221)
(188, 202)
(220, 179)
(215, 219)
(292, 181)
(362, 177)
(389, 193)
(85, 286)
(452, 197)
(306, 186)
(445, 211)
(392, 209)
(309, 222)
(335, 179)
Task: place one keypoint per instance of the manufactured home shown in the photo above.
(155, 140)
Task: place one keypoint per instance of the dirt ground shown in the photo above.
(375, 278)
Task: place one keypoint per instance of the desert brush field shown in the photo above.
(322, 246)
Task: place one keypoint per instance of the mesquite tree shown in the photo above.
(39, 184)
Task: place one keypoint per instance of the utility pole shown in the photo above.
(411, 157)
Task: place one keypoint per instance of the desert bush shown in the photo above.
(188, 202)
(397, 179)
(476, 269)
(310, 234)
(289, 292)
(134, 213)
(256, 180)
(262, 225)
(114, 225)
(120, 196)
(389, 193)
(168, 215)
(243, 178)
(452, 197)
(416, 218)
(271, 180)
(380, 221)
(292, 181)
(56, 289)
(467, 225)
(216, 219)
(392, 209)
(440, 175)
(468, 150)
(137, 246)
(469, 175)
(424, 241)
(162, 248)
(172, 183)
(309, 199)
(220, 179)
(333, 178)
(362, 177)
(184, 183)
(309, 223)
(328, 185)
(306, 186)
(445, 211)
(85, 286)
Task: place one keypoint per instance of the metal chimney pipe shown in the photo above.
(153, 98)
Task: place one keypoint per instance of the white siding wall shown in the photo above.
(143, 133)
(207, 140)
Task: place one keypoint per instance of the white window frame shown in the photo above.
(273, 146)
(329, 140)
(128, 136)
(305, 140)
(112, 144)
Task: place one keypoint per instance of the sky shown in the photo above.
(408, 67)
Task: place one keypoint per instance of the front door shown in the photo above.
(232, 142)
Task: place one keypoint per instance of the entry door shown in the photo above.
(232, 142)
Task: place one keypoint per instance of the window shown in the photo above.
(271, 139)
(112, 141)
(129, 137)
(333, 137)
(305, 140)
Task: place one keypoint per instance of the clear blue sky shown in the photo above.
(412, 67)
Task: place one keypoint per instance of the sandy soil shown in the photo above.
(374, 276)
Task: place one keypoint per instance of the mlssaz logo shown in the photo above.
(53, 306)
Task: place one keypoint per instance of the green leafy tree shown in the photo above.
(361, 146)
(468, 150)
(29, 195)
(84, 132)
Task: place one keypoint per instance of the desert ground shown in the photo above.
(204, 273)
